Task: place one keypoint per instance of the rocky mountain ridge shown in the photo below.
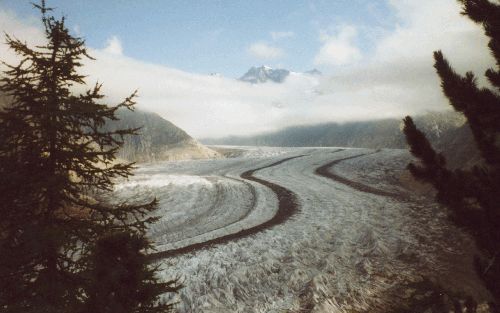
(447, 131)
(263, 74)
(158, 139)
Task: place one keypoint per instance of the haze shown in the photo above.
(376, 59)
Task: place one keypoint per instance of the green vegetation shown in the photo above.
(59, 238)
(473, 196)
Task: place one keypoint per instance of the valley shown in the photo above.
(250, 156)
(289, 229)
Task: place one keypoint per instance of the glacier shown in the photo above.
(348, 248)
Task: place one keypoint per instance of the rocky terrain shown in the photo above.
(263, 74)
(447, 131)
(158, 139)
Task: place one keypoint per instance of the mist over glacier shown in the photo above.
(392, 79)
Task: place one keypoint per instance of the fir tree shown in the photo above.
(473, 195)
(56, 162)
(121, 280)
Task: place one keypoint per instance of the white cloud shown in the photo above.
(398, 78)
(431, 25)
(281, 35)
(395, 80)
(203, 105)
(27, 30)
(114, 46)
(338, 49)
(262, 50)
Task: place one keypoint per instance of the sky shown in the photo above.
(226, 37)
(376, 57)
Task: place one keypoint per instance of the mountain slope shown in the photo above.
(446, 131)
(158, 139)
(263, 74)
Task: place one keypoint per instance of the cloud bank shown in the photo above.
(338, 49)
(114, 46)
(396, 78)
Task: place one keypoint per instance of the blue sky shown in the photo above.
(216, 36)
(376, 57)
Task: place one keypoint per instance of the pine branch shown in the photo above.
(56, 159)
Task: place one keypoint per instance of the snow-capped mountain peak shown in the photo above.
(263, 74)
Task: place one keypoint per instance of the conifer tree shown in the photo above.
(472, 195)
(56, 162)
(121, 280)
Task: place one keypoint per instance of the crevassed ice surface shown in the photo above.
(344, 251)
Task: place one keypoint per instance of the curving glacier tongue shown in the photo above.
(345, 250)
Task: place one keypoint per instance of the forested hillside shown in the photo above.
(446, 130)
